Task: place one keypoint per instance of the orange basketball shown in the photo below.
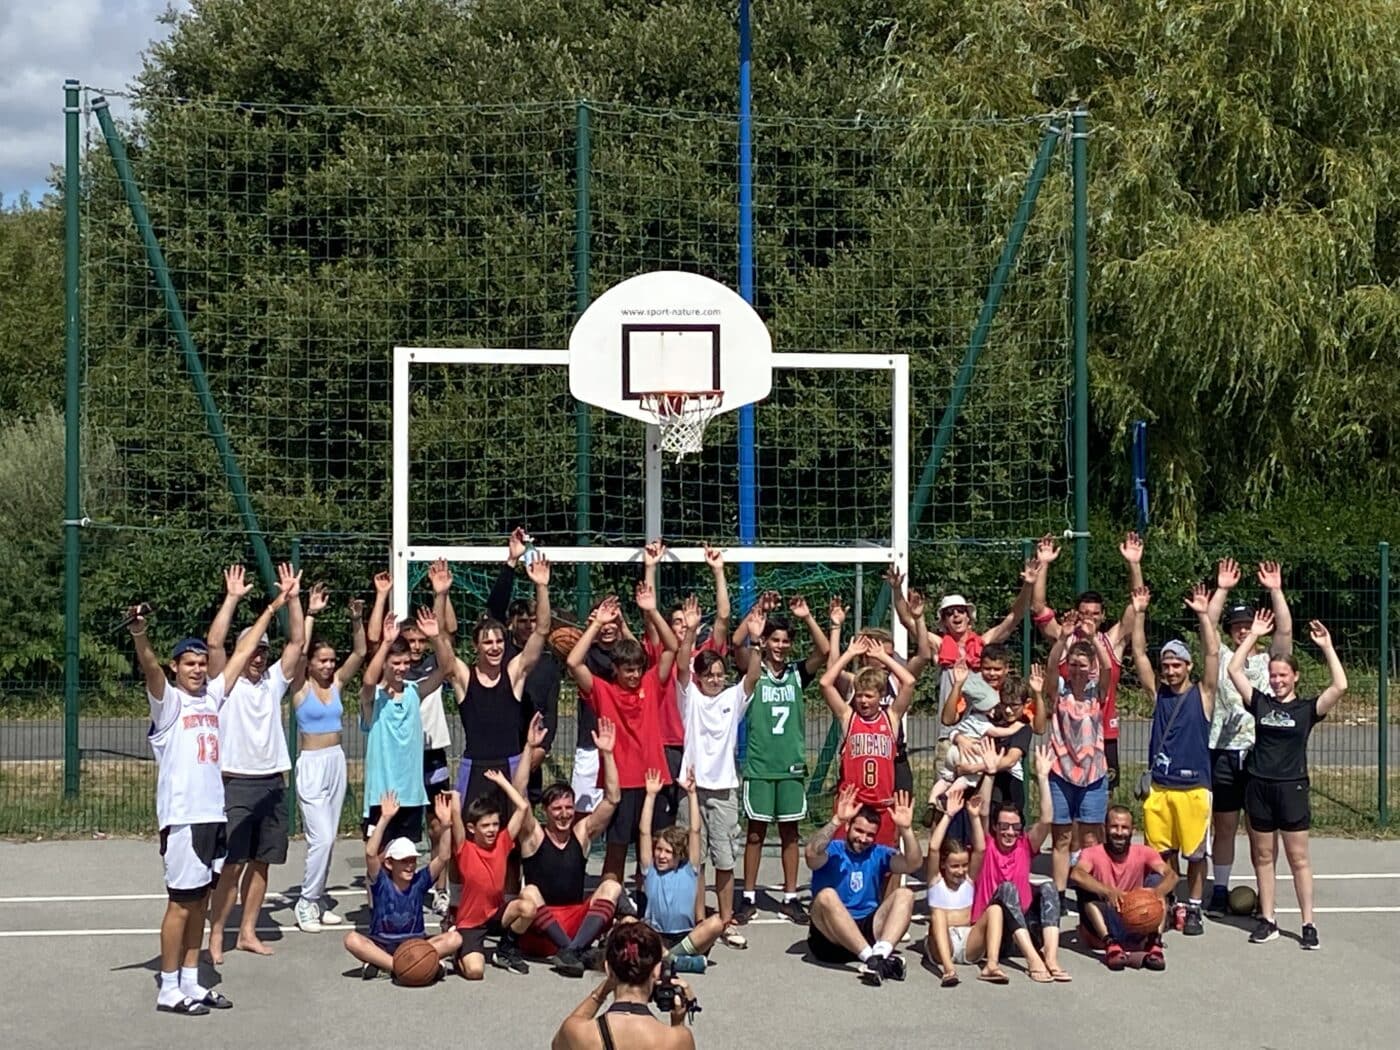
(416, 964)
(1142, 911)
(564, 639)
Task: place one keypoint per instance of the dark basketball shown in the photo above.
(1243, 901)
(1142, 911)
(416, 964)
(563, 639)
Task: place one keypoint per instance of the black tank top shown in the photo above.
(490, 718)
(557, 873)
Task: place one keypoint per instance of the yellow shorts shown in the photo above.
(1176, 819)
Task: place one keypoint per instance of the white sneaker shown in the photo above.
(308, 919)
(441, 903)
(330, 918)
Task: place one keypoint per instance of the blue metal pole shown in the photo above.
(748, 508)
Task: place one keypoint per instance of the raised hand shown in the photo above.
(770, 600)
(318, 599)
(846, 806)
(1198, 601)
(1031, 570)
(690, 610)
(1263, 622)
(440, 576)
(427, 623)
(974, 805)
(538, 569)
(535, 735)
(797, 605)
(688, 781)
(1321, 636)
(1069, 622)
(136, 619)
(1131, 548)
(714, 557)
(236, 582)
(653, 782)
(989, 754)
(960, 671)
(836, 611)
(1045, 549)
(496, 777)
(288, 580)
(389, 804)
(646, 597)
(1036, 678)
(757, 621)
(1270, 576)
(895, 579)
(653, 552)
(605, 736)
(955, 798)
(356, 608)
(609, 610)
(902, 813)
(916, 603)
(391, 628)
(1142, 597)
(442, 808)
(383, 583)
(515, 544)
(864, 645)
(1227, 574)
(1044, 760)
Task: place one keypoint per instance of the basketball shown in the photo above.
(1142, 911)
(563, 639)
(1243, 901)
(416, 964)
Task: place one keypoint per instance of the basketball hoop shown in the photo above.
(682, 416)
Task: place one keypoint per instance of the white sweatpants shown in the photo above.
(321, 793)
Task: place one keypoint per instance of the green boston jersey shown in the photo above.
(777, 726)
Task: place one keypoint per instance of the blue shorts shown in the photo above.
(1085, 805)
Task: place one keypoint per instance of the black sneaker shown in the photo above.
(872, 971)
(893, 967)
(592, 958)
(508, 957)
(369, 972)
(746, 912)
(1219, 903)
(626, 907)
(795, 912)
(1265, 930)
(568, 963)
(1193, 927)
(1309, 938)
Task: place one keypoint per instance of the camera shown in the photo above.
(667, 992)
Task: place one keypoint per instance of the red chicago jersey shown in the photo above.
(867, 758)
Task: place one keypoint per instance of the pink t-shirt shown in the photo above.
(998, 867)
(1126, 874)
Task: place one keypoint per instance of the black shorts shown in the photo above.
(672, 797)
(1008, 788)
(903, 774)
(406, 823)
(626, 822)
(474, 937)
(1227, 780)
(437, 778)
(1110, 752)
(257, 819)
(1278, 805)
(828, 951)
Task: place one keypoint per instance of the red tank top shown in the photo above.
(867, 759)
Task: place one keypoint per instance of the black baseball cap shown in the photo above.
(1239, 614)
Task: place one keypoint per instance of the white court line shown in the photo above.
(287, 900)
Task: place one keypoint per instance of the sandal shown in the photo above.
(732, 938)
(950, 980)
(994, 977)
(1060, 976)
(1040, 976)
(215, 1001)
(186, 1006)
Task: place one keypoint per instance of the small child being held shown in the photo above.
(398, 888)
(670, 877)
(965, 740)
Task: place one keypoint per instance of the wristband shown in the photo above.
(1043, 617)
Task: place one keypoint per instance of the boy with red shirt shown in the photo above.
(632, 701)
(1103, 875)
(483, 848)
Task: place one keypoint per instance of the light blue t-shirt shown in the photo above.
(671, 898)
(856, 878)
(394, 749)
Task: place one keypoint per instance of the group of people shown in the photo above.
(656, 770)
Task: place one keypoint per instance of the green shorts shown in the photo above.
(778, 801)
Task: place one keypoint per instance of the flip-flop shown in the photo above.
(732, 938)
(1040, 976)
(950, 980)
(995, 977)
(1060, 976)
(188, 1007)
(215, 1001)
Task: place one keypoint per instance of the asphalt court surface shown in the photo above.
(78, 942)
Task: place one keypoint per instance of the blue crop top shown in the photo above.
(317, 716)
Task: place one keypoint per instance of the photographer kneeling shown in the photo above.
(634, 967)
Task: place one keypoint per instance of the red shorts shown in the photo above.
(570, 918)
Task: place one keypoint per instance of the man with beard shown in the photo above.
(1103, 875)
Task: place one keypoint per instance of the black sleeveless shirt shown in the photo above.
(490, 718)
(557, 873)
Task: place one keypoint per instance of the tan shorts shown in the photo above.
(719, 826)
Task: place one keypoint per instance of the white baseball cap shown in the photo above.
(401, 849)
(247, 631)
(952, 601)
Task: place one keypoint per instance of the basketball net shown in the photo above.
(682, 417)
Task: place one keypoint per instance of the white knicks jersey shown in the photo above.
(184, 736)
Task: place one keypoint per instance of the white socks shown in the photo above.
(750, 896)
(882, 948)
(866, 953)
(189, 983)
(170, 994)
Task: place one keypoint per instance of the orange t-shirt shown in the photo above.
(483, 873)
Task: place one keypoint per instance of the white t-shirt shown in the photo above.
(437, 734)
(1231, 726)
(711, 732)
(185, 739)
(255, 743)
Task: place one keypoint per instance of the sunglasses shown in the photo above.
(1008, 827)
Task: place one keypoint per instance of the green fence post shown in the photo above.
(583, 435)
(1027, 639)
(212, 419)
(1383, 695)
(1080, 165)
(72, 441)
(292, 716)
(991, 302)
